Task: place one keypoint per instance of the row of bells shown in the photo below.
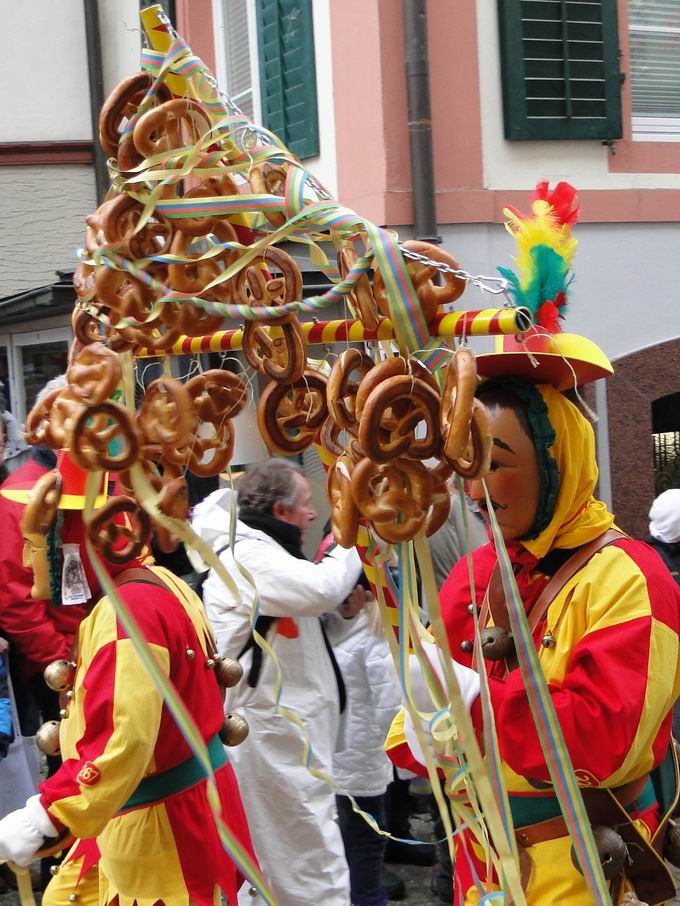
(498, 644)
(60, 675)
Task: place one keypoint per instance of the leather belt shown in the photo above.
(556, 827)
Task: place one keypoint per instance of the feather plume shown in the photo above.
(545, 251)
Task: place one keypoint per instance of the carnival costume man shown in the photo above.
(129, 785)
(607, 639)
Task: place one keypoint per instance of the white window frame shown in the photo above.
(17, 343)
(654, 128)
(221, 53)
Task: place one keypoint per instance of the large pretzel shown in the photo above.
(276, 348)
(160, 129)
(37, 429)
(344, 512)
(125, 295)
(361, 297)
(119, 107)
(166, 416)
(456, 402)
(480, 445)
(121, 520)
(211, 454)
(391, 367)
(119, 221)
(394, 496)
(385, 433)
(342, 392)
(94, 374)
(218, 185)
(104, 437)
(430, 295)
(289, 416)
(258, 283)
(217, 394)
(270, 179)
(65, 410)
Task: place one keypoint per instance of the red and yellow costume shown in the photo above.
(118, 733)
(612, 668)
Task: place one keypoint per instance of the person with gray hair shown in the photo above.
(291, 811)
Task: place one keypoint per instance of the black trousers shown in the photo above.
(364, 849)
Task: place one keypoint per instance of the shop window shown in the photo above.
(666, 442)
(560, 69)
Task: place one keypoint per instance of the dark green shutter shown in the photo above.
(560, 69)
(285, 34)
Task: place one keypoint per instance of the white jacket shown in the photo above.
(291, 813)
(360, 765)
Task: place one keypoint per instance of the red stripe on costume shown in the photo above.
(665, 597)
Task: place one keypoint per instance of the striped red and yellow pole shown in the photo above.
(483, 323)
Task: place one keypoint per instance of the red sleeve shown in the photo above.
(25, 622)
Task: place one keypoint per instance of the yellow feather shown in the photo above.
(542, 229)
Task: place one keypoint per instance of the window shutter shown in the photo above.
(285, 34)
(560, 69)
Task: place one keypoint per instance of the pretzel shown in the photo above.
(124, 294)
(481, 441)
(430, 295)
(456, 402)
(219, 447)
(219, 185)
(37, 428)
(98, 427)
(192, 277)
(85, 326)
(120, 106)
(119, 221)
(217, 394)
(385, 433)
(94, 374)
(173, 502)
(277, 350)
(254, 288)
(289, 416)
(83, 282)
(388, 368)
(160, 129)
(361, 297)
(106, 533)
(166, 415)
(344, 513)
(270, 179)
(440, 506)
(64, 411)
(341, 394)
(394, 496)
(43, 504)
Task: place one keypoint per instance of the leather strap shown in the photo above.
(140, 574)
(494, 599)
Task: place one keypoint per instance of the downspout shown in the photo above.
(420, 120)
(96, 82)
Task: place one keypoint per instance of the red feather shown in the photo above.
(562, 199)
(548, 317)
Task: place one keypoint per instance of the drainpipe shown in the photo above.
(420, 120)
(96, 82)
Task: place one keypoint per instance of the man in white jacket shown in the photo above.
(291, 813)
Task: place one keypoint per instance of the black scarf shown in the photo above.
(290, 538)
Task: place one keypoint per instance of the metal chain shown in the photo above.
(495, 285)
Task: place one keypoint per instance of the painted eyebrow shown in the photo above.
(499, 443)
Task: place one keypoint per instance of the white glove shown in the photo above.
(22, 832)
(468, 683)
(467, 679)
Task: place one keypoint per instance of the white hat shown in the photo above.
(664, 517)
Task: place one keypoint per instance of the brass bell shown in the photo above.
(54, 870)
(548, 640)
(73, 898)
(228, 672)
(59, 675)
(611, 849)
(190, 653)
(497, 643)
(234, 730)
(466, 646)
(210, 664)
(63, 713)
(47, 738)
